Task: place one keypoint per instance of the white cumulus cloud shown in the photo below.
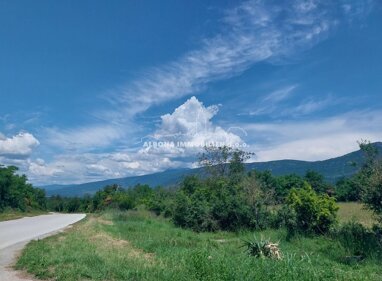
(192, 122)
(18, 146)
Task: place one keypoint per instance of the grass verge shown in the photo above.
(138, 246)
(13, 214)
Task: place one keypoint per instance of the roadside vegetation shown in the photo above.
(138, 245)
(19, 198)
(11, 214)
(228, 224)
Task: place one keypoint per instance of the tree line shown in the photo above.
(16, 193)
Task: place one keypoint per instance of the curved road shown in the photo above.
(15, 234)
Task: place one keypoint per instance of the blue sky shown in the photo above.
(85, 85)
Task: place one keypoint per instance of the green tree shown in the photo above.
(17, 193)
(190, 184)
(223, 161)
(285, 183)
(348, 189)
(316, 180)
(371, 177)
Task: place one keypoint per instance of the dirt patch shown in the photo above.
(104, 221)
(61, 238)
(107, 241)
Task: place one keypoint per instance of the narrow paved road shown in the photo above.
(15, 234)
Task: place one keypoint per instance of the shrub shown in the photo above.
(181, 210)
(229, 210)
(226, 200)
(309, 212)
(219, 205)
(194, 212)
(200, 217)
(162, 202)
(262, 249)
(358, 241)
(285, 217)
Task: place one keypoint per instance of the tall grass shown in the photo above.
(138, 246)
(354, 211)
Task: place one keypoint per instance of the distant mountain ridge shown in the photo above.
(332, 169)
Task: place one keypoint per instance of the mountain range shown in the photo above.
(332, 169)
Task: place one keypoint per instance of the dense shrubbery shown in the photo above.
(157, 200)
(281, 185)
(359, 241)
(223, 202)
(226, 200)
(220, 206)
(17, 193)
(309, 211)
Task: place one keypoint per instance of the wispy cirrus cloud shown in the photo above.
(253, 32)
(309, 106)
(84, 138)
(280, 94)
(270, 103)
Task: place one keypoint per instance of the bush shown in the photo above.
(162, 202)
(217, 204)
(358, 241)
(181, 210)
(309, 212)
(285, 217)
(229, 210)
(194, 212)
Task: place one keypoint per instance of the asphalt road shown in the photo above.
(15, 234)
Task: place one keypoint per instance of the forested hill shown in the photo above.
(332, 169)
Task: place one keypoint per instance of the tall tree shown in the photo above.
(223, 161)
(371, 176)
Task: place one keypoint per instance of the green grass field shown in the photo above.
(352, 211)
(138, 246)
